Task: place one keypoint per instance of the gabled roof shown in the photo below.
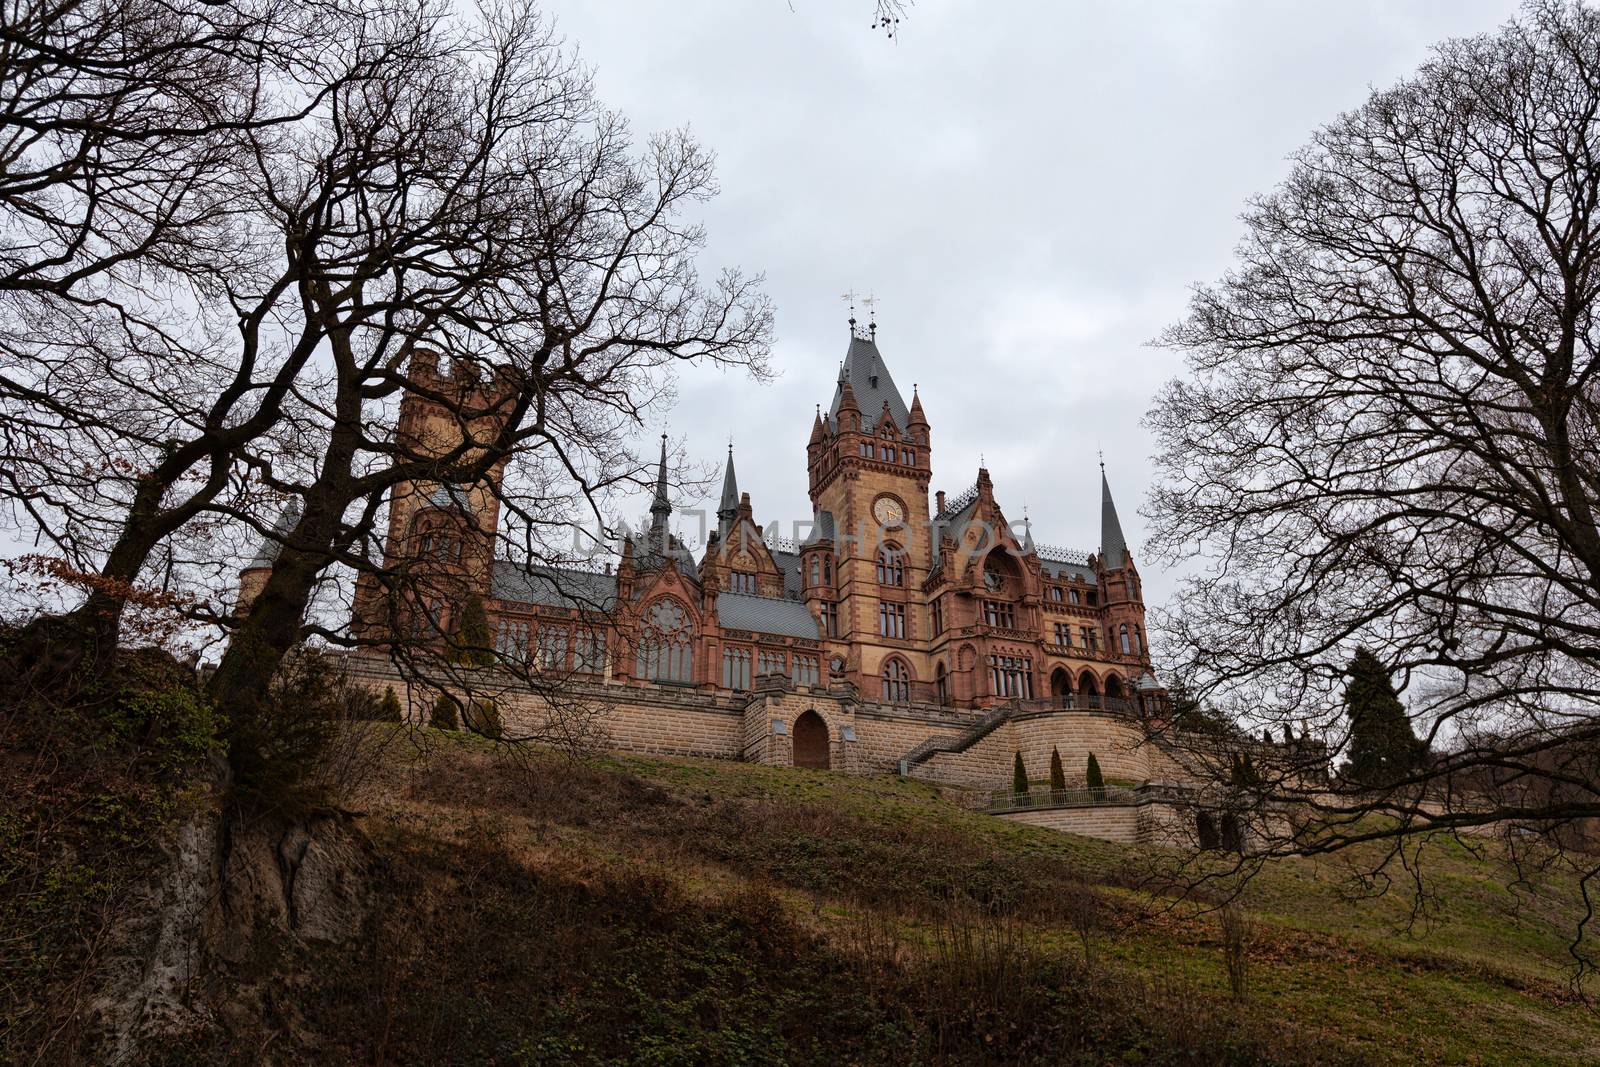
(557, 587)
(766, 615)
(872, 384)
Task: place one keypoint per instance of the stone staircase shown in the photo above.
(959, 742)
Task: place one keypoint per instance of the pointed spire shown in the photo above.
(869, 381)
(728, 510)
(1027, 534)
(847, 398)
(661, 507)
(816, 427)
(916, 417)
(1113, 546)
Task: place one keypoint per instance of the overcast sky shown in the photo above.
(1028, 188)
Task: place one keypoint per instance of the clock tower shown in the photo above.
(869, 466)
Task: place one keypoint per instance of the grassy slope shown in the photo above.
(639, 910)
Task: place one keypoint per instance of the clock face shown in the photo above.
(888, 512)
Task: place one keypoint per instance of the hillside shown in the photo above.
(665, 911)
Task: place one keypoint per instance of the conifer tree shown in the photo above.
(1091, 775)
(1383, 748)
(1019, 776)
(473, 642)
(389, 710)
(1058, 777)
(444, 713)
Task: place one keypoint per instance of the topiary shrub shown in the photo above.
(1058, 776)
(389, 709)
(1092, 777)
(1019, 776)
(444, 713)
(483, 718)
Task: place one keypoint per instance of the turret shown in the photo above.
(916, 421)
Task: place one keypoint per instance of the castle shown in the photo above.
(901, 633)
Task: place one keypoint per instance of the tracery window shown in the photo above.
(736, 668)
(666, 644)
(552, 648)
(589, 652)
(896, 682)
(805, 670)
(511, 641)
(891, 566)
(771, 662)
(1011, 676)
(1122, 639)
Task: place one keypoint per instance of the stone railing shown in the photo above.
(1004, 800)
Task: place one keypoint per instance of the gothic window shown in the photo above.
(1055, 594)
(741, 582)
(1064, 634)
(1011, 676)
(666, 644)
(911, 456)
(888, 453)
(830, 619)
(938, 615)
(816, 571)
(941, 684)
(1090, 636)
(999, 613)
(867, 449)
(827, 569)
(770, 662)
(891, 566)
(511, 641)
(1074, 597)
(891, 620)
(1132, 593)
(736, 668)
(1138, 640)
(1122, 639)
(552, 648)
(804, 670)
(896, 682)
(993, 578)
(589, 652)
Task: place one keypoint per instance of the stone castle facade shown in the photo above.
(908, 632)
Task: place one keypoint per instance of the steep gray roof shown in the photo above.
(765, 615)
(1113, 546)
(822, 528)
(558, 587)
(447, 497)
(789, 564)
(1056, 568)
(271, 545)
(871, 382)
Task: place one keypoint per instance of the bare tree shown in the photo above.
(1388, 438)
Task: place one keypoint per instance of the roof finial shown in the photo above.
(849, 297)
(872, 315)
(1101, 453)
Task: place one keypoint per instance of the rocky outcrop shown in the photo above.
(221, 886)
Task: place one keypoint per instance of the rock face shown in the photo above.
(220, 888)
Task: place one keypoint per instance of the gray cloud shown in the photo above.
(1029, 190)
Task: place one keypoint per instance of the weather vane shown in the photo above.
(849, 297)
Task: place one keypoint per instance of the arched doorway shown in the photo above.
(810, 741)
(1114, 687)
(1089, 690)
(1207, 831)
(1061, 687)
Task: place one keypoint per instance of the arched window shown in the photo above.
(1138, 640)
(666, 644)
(896, 682)
(891, 566)
(941, 684)
(827, 569)
(816, 571)
(1122, 639)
